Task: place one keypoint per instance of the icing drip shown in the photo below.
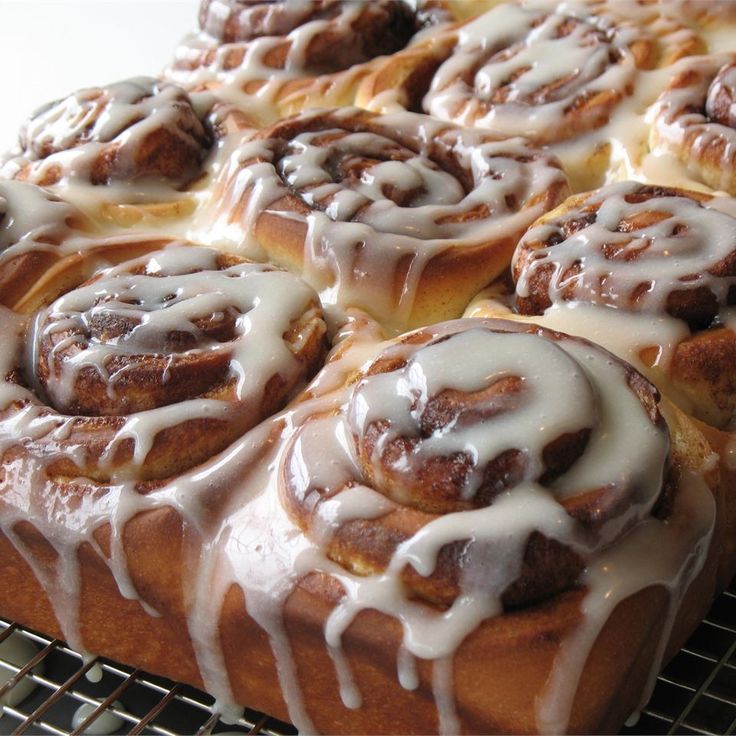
(107, 722)
(622, 571)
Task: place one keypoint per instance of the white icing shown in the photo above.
(107, 722)
(511, 518)
(517, 53)
(15, 652)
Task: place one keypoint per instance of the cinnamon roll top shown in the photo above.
(479, 416)
(527, 69)
(341, 34)
(400, 215)
(137, 129)
(694, 122)
(667, 257)
(635, 247)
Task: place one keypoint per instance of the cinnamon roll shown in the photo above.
(527, 70)
(400, 215)
(657, 255)
(280, 57)
(470, 472)
(185, 346)
(140, 128)
(693, 120)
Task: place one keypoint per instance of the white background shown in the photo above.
(49, 48)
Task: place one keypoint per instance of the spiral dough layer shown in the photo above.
(140, 128)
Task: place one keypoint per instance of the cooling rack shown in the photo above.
(695, 694)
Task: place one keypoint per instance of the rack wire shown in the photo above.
(695, 694)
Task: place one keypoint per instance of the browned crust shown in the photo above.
(509, 657)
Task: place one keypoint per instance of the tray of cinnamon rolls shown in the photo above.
(374, 365)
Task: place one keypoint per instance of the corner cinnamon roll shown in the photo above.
(471, 482)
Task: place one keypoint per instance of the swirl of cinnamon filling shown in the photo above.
(140, 128)
(492, 419)
(400, 215)
(694, 120)
(185, 347)
(650, 251)
(523, 70)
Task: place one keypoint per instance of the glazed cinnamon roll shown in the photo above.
(140, 129)
(659, 256)
(182, 347)
(345, 33)
(527, 70)
(470, 472)
(441, 423)
(277, 58)
(693, 119)
(400, 215)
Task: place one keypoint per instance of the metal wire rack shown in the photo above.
(696, 693)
